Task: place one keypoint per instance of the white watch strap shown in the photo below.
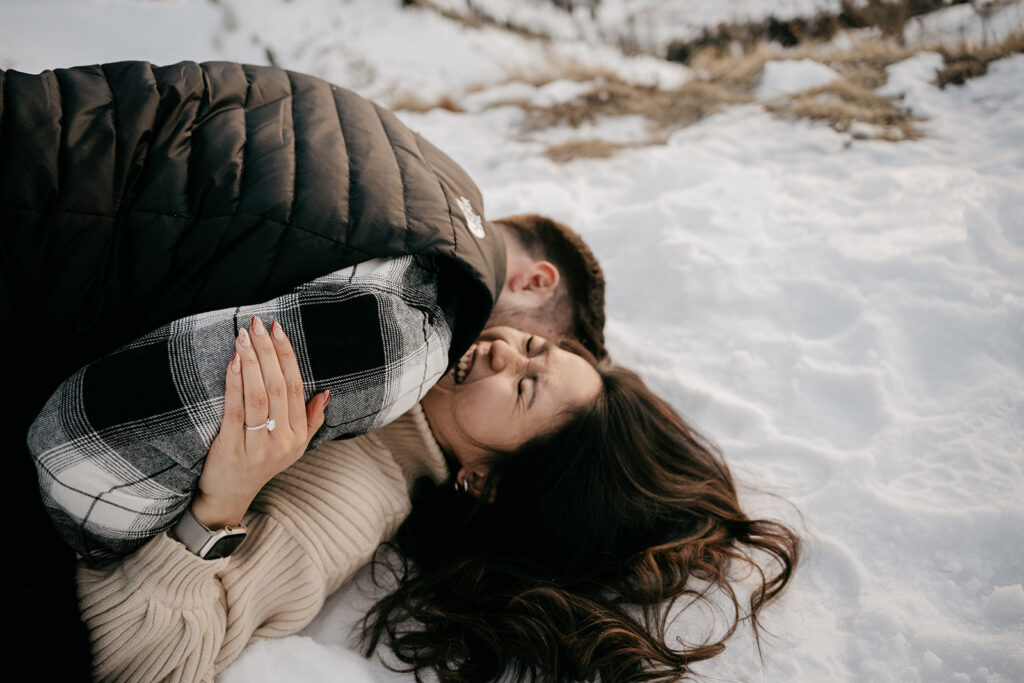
(196, 536)
(191, 532)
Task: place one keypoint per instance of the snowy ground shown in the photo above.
(844, 317)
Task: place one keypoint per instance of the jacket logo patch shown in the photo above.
(476, 226)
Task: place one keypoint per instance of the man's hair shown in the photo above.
(577, 307)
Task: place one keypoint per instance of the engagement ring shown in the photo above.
(269, 424)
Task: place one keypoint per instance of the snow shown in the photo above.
(973, 23)
(302, 657)
(651, 25)
(555, 92)
(792, 76)
(844, 317)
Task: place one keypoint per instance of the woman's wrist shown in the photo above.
(216, 513)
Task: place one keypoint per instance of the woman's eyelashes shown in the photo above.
(534, 347)
(527, 392)
(522, 380)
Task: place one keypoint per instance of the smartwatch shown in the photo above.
(207, 543)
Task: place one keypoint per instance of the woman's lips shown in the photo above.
(465, 365)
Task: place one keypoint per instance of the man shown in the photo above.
(134, 196)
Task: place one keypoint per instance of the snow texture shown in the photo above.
(793, 76)
(845, 318)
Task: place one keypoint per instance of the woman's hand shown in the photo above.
(263, 382)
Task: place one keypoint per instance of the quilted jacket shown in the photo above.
(132, 195)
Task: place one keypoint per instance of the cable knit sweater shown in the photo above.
(165, 614)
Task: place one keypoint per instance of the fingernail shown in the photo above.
(277, 330)
(257, 326)
(327, 397)
(243, 338)
(236, 364)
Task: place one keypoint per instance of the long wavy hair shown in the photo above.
(568, 564)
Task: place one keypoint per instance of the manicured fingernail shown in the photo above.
(243, 338)
(277, 330)
(236, 364)
(257, 326)
(327, 397)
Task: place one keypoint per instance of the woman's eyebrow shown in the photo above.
(544, 348)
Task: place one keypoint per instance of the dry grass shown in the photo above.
(476, 18)
(865, 63)
(867, 77)
(738, 74)
(728, 64)
(565, 70)
(889, 17)
(593, 148)
(721, 81)
(971, 61)
(665, 109)
(414, 103)
(841, 104)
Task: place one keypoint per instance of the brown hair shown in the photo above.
(588, 538)
(580, 302)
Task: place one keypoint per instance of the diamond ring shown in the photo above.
(269, 424)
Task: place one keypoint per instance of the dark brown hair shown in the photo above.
(569, 570)
(580, 302)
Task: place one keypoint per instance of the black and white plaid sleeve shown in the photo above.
(119, 447)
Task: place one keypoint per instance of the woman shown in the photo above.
(592, 497)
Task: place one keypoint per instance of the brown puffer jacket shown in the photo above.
(132, 195)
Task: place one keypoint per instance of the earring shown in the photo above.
(461, 486)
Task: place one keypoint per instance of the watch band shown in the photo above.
(205, 542)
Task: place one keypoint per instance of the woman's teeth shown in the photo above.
(464, 365)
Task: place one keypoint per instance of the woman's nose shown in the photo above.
(503, 355)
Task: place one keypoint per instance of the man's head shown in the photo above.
(553, 283)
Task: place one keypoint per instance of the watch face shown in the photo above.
(224, 546)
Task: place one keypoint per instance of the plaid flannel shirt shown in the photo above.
(120, 445)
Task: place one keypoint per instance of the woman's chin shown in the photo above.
(442, 391)
(446, 383)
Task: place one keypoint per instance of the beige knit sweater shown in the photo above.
(165, 614)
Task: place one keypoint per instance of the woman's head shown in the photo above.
(584, 536)
(509, 388)
(620, 475)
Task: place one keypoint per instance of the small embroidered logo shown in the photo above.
(476, 226)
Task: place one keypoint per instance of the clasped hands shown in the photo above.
(263, 382)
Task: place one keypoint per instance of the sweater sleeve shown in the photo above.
(158, 615)
(164, 614)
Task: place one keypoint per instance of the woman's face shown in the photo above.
(509, 387)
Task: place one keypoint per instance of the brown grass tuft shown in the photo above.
(414, 103)
(665, 109)
(565, 69)
(888, 16)
(737, 73)
(593, 148)
(728, 63)
(865, 63)
(971, 61)
(866, 77)
(842, 103)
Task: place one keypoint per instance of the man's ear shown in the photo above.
(538, 277)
